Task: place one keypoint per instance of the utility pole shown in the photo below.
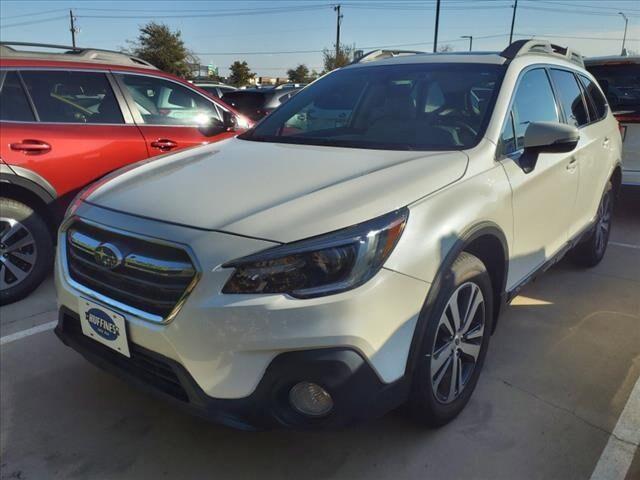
(624, 38)
(73, 28)
(338, 21)
(513, 21)
(435, 35)
(470, 37)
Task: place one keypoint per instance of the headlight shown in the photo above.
(321, 265)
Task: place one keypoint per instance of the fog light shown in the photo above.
(310, 399)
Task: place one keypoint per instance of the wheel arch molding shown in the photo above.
(485, 240)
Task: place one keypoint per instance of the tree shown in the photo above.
(331, 62)
(241, 74)
(300, 74)
(161, 47)
(445, 48)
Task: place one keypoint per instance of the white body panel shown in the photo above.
(240, 193)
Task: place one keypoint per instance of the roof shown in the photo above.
(71, 54)
(518, 49)
(466, 57)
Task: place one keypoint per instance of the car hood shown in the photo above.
(280, 192)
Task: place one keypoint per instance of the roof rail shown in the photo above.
(95, 55)
(382, 54)
(537, 47)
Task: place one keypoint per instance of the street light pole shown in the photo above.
(435, 35)
(338, 21)
(513, 21)
(624, 38)
(470, 37)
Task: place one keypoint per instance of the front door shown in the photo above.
(543, 198)
(71, 132)
(168, 113)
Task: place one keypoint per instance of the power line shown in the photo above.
(238, 13)
(579, 12)
(577, 5)
(33, 14)
(33, 22)
(369, 47)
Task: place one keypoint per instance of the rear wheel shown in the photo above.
(26, 250)
(455, 343)
(590, 252)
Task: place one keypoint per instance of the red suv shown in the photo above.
(67, 119)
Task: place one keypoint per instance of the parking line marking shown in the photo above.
(618, 454)
(626, 245)
(28, 332)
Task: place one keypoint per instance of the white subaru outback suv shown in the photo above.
(310, 274)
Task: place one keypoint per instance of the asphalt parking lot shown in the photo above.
(559, 373)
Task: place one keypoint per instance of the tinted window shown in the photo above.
(533, 102)
(163, 102)
(13, 101)
(389, 107)
(570, 97)
(250, 103)
(72, 97)
(621, 85)
(599, 103)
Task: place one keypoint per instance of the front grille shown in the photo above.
(139, 273)
(146, 368)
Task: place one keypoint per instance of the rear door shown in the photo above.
(589, 154)
(169, 113)
(69, 127)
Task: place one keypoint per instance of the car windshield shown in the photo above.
(434, 106)
(621, 86)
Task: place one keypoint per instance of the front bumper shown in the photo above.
(230, 350)
(357, 391)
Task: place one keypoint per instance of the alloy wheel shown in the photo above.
(18, 253)
(457, 342)
(603, 225)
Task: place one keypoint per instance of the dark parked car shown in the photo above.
(257, 103)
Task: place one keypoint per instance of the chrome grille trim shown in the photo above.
(136, 261)
(146, 264)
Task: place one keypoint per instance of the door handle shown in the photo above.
(605, 142)
(164, 144)
(31, 147)
(573, 164)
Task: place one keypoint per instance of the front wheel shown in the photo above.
(26, 250)
(590, 251)
(455, 343)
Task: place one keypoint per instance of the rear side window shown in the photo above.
(14, 105)
(72, 97)
(570, 97)
(533, 102)
(163, 102)
(599, 103)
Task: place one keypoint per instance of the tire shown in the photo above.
(432, 401)
(590, 251)
(26, 250)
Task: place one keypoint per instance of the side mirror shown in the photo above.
(552, 137)
(213, 127)
(229, 121)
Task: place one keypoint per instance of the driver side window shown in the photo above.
(163, 102)
(533, 102)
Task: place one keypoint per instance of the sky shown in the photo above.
(273, 36)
